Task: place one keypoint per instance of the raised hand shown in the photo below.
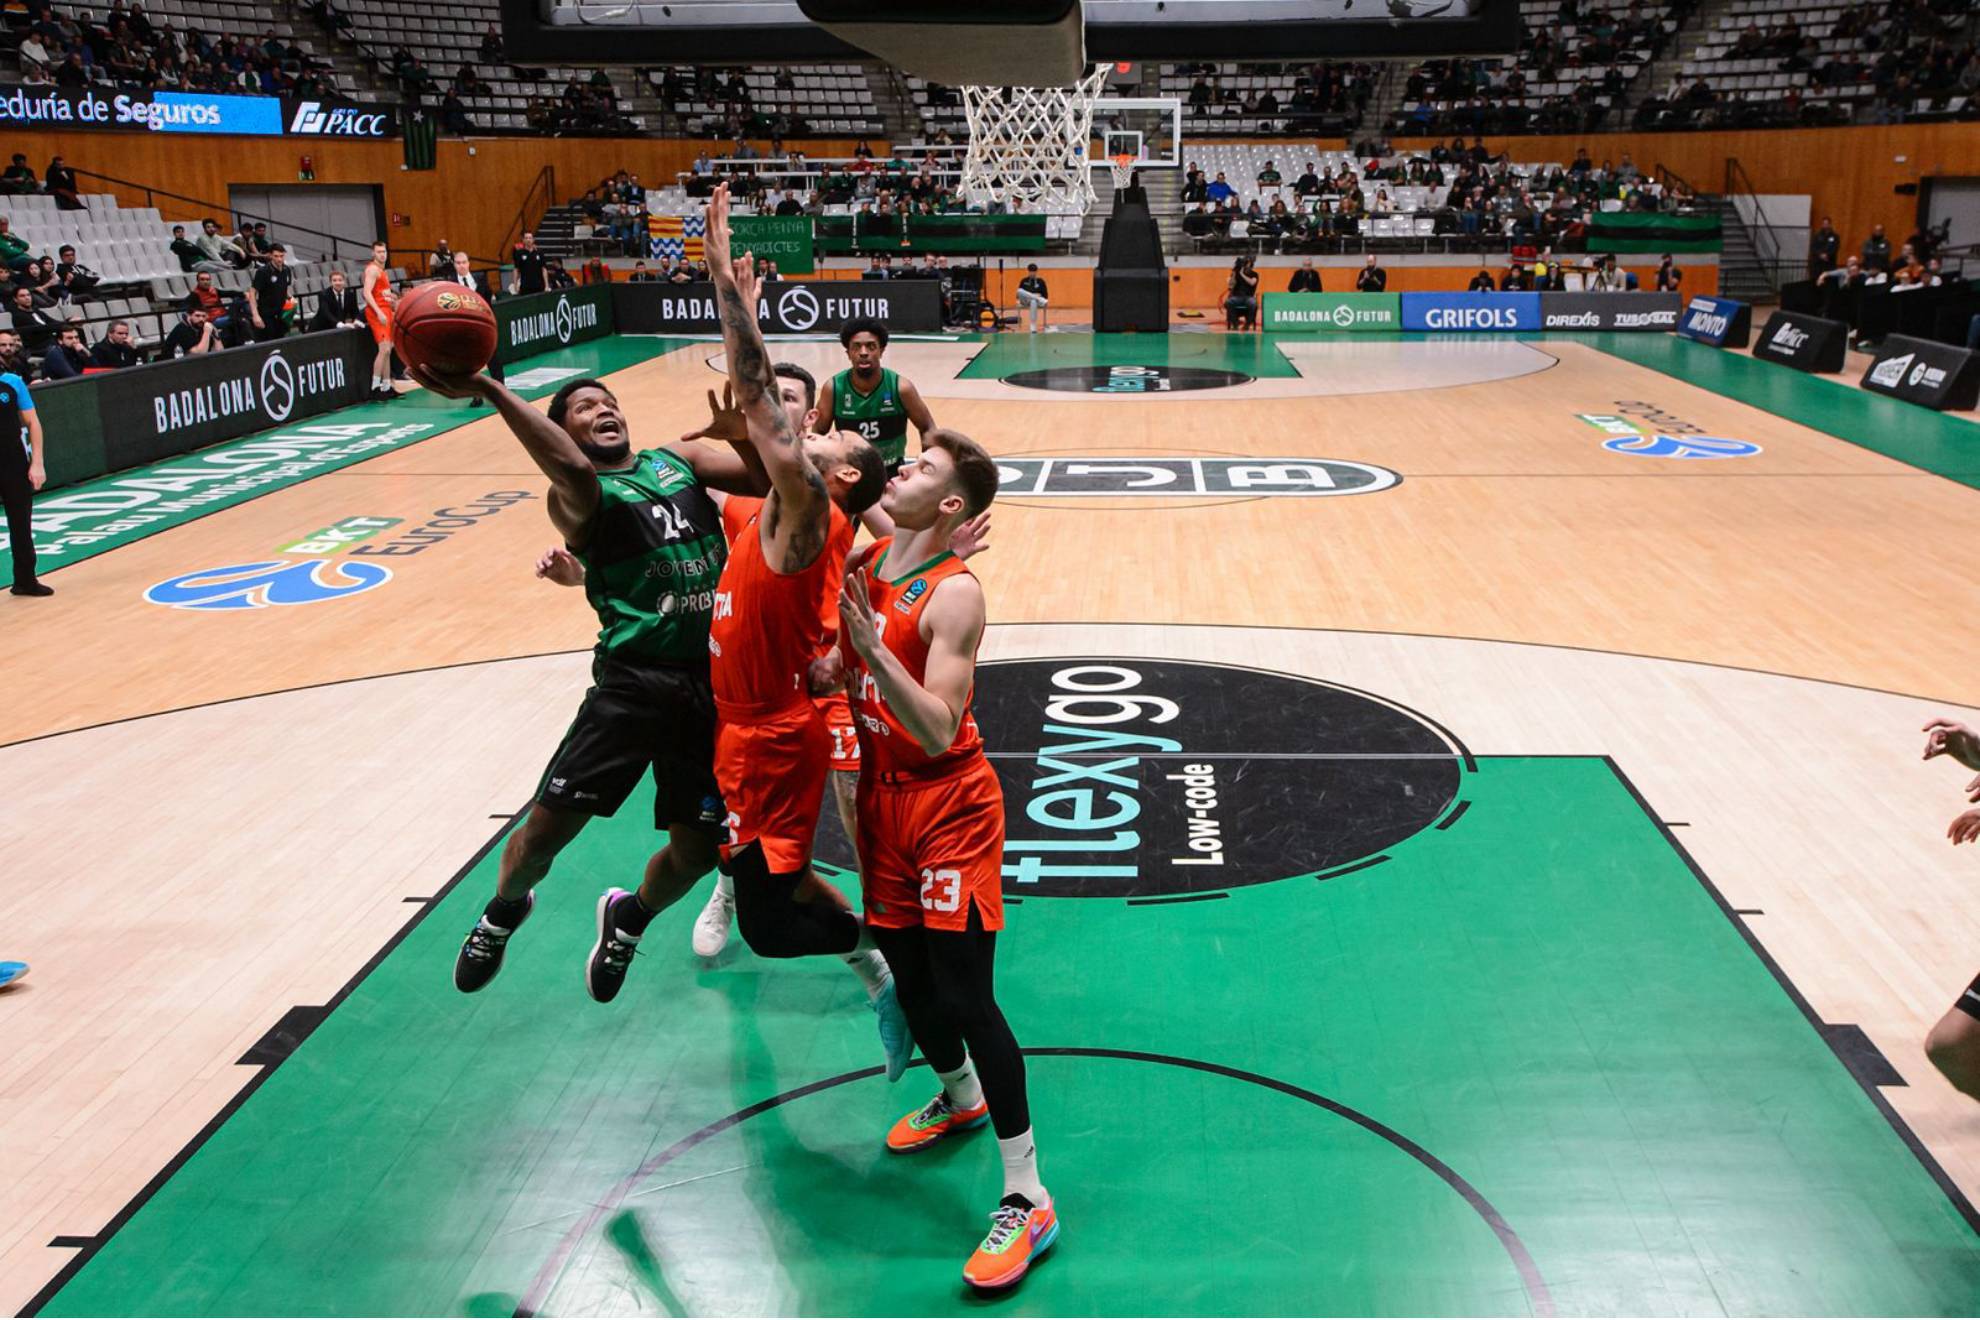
(856, 626)
(725, 419)
(716, 240)
(1944, 737)
(1965, 827)
(972, 537)
(560, 566)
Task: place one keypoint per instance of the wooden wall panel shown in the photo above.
(469, 200)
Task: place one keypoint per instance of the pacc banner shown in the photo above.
(1471, 311)
(784, 239)
(1609, 311)
(191, 112)
(1720, 322)
(167, 408)
(1333, 313)
(786, 307)
(539, 322)
(1921, 371)
(1807, 343)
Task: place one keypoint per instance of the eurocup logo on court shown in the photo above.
(798, 308)
(1682, 446)
(278, 387)
(268, 582)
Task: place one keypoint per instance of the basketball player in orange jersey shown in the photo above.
(375, 288)
(931, 829)
(825, 677)
(770, 741)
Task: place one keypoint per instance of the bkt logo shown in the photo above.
(269, 582)
(1682, 446)
(342, 121)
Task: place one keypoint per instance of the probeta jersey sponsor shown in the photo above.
(652, 556)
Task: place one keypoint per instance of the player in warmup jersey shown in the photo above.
(931, 830)
(650, 541)
(375, 289)
(873, 401)
(1954, 1042)
(771, 745)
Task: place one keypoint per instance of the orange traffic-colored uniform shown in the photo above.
(736, 512)
(772, 748)
(931, 828)
(378, 290)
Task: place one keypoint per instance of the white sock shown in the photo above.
(725, 887)
(872, 971)
(961, 1086)
(1021, 1169)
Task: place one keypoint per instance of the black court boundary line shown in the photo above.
(1538, 1295)
(95, 1243)
(1815, 1021)
(1060, 623)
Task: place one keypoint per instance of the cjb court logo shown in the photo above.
(335, 563)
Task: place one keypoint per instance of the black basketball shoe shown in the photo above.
(481, 952)
(612, 955)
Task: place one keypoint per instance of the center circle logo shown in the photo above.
(1147, 779)
(798, 308)
(1126, 379)
(566, 322)
(278, 387)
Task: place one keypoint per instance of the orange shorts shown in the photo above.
(381, 326)
(772, 774)
(930, 853)
(839, 723)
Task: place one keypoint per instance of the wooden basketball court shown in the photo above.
(1580, 902)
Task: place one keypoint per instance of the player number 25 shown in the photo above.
(941, 891)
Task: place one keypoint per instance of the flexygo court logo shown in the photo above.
(1162, 780)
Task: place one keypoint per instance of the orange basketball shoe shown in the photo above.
(933, 1121)
(1020, 1233)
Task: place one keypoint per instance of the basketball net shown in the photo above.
(1028, 145)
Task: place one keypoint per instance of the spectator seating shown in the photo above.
(120, 245)
(833, 100)
(444, 35)
(215, 18)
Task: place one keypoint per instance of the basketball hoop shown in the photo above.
(1028, 145)
(1123, 169)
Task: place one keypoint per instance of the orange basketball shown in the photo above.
(444, 328)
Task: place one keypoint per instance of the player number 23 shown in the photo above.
(941, 891)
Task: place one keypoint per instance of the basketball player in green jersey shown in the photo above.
(874, 401)
(650, 538)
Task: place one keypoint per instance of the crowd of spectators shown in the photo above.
(57, 181)
(1325, 94)
(1595, 49)
(720, 101)
(1472, 193)
(127, 49)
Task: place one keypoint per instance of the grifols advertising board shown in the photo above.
(790, 307)
(168, 408)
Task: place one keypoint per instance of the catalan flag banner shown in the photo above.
(675, 237)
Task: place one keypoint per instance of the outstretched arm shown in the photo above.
(574, 489)
(794, 481)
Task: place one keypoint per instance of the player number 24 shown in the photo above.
(941, 891)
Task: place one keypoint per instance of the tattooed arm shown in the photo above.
(798, 512)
